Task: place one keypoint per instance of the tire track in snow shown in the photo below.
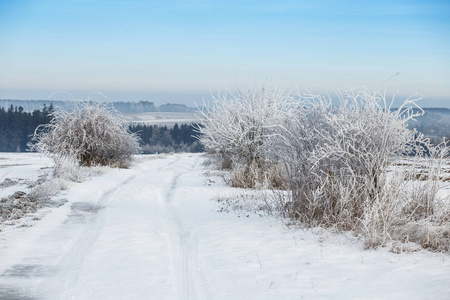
(183, 247)
(62, 273)
(70, 263)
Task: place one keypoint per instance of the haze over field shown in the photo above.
(180, 51)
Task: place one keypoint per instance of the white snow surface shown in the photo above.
(154, 232)
(21, 170)
(161, 118)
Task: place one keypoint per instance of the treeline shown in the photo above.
(123, 107)
(145, 106)
(162, 139)
(32, 105)
(135, 107)
(18, 125)
(181, 108)
(17, 128)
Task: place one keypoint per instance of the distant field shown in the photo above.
(160, 118)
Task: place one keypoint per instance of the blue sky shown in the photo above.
(148, 48)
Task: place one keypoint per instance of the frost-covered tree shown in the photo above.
(337, 156)
(90, 133)
(344, 170)
(237, 126)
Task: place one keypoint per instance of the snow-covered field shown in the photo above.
(161, 118)
(18, 171)
(154, 231)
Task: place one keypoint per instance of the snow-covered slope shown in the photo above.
(154, 232)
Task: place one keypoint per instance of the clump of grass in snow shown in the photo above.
(42, 193)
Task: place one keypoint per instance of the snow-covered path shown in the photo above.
(154, 232)
(120, 236)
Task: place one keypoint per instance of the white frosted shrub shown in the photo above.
(237, 126)
(337, 155)
(340, 160)
(90, 133)
(410, 208)
(356, 166)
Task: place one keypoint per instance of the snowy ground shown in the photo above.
(161, 118)
(154, 232)
(19, 171)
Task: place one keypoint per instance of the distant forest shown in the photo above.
(123, 107)
(161, 139)
(17, 128)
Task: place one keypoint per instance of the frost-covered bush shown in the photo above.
(237, 126)
(340, 163)
(337, 156)
(68, 169)
(90, 133)
(355, 166)
(410, 207)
